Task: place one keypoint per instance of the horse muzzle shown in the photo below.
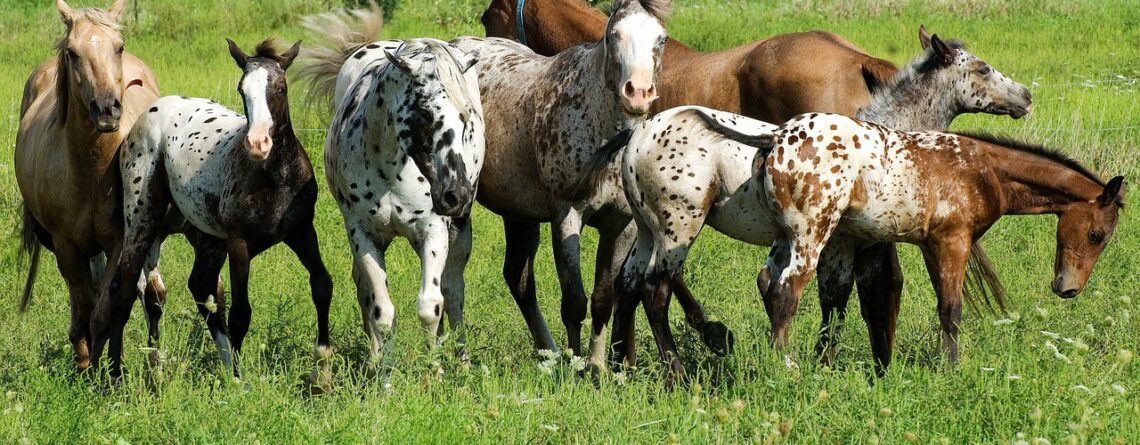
(1064, 288)
(454, 200)
(105, 114)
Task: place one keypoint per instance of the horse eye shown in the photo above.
(985, 69)
(1096, 237)
(119, 50)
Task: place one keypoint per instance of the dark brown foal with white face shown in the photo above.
(242, 182)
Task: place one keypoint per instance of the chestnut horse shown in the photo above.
(76, 109)
(831, 177)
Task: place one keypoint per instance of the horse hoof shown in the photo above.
(155, 358)
(718, 338)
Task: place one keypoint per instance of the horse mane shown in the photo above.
(1051, 154)
(268, 49)
(95, 16)
(449, 75)
(905, 78)
(659, 9)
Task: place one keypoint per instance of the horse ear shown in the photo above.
(65, 11)
(289, 55)
(463, 59)
(942, 50)
(405, 65)
(116, 9)
(923, 37)
(1113, 191)
(238, 55)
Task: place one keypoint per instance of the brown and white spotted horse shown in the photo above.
(545, 117)
(833, 177)
(682, 170)
(402, 159)
(242, 183)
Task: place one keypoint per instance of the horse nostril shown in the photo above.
(652, 91)
(1069, 293)
(451, 198)
(628, 90)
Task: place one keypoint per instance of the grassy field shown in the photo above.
(1051, 371)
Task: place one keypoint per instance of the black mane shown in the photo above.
(1045, 152)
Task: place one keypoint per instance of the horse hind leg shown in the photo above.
(154, 299)
(371, 278)
(629, 287)
(835, 282)
(879, 278)
(433, 251)
(453, 285)
(522, 239)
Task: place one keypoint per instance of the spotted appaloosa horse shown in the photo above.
(76, 109)
(690, 166)
(833, 177)
(545, 116)
(402, 159)
(242, 183)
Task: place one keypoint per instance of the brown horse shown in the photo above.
(76, 109)
(834, 184)
(816, 70)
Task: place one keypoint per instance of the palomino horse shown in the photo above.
(833, 177)
(242, 183)
(402, 159)
(76, 109)
(545, 116)
(675, 190)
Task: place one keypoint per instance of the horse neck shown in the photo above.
(551, 26)
(287, 154)
(1033, 184)
(913, 102)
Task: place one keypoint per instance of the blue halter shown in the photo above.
(519, 22)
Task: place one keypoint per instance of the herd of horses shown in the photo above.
(562, 116)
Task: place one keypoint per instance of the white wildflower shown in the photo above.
(549, 427)
(985, 369)
(1003, 322)
(1013, 377)
(549, 354)
(577, 363)
(546, 368)
(211, 305)
(1052, 335)
(1081, 388)
(1118, 388)
(619, 378)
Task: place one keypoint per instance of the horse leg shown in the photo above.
(303, 242)
(613, 245)
(154, 298)
(240, 255)
(567, 230)
(76, 271)
(946, 258)
(714, 334)
(432, 248)
(518, 270)
(656, 305)
(453, 286)
(209, 257)
(879, 278)
(629, 287)
(835, 282)
(371, 279)
(785, 285)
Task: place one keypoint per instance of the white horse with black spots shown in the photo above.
(402, 159)
(241, 184)
(690, 166)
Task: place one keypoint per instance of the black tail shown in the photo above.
(765, 142)
(982, 285)
(592, 171)
(29, 246)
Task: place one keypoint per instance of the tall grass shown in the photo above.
(1051, 369)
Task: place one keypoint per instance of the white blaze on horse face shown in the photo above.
(260, 120)
(638, 39)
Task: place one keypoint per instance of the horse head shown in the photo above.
(978, 87)
(634, 42)
(264, 94)
(1083, 230)
(434, 126)
(91, 62)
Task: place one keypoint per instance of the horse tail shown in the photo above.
(982, 286)
(877, 72)
(341, 34)
(591, 176)
(29, 246)
(765, 142)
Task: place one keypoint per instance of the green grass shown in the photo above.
(1079, 57)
